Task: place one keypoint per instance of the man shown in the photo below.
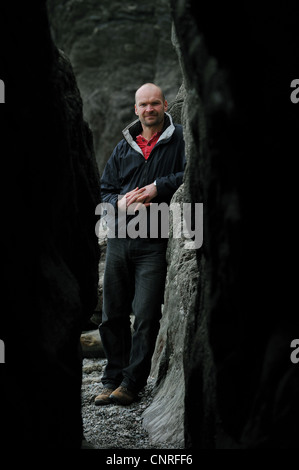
(146, 167)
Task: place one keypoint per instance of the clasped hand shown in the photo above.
(138, 196)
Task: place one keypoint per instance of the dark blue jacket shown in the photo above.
(127, 168)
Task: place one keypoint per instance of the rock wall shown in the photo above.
(222, 362)
(239, 382)
(164, 418)
(49, 251)
(115, 46)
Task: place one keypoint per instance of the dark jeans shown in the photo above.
(134, 282)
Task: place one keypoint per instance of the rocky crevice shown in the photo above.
(222, 365)
(50, 253)
(115, 47)
(238, 379)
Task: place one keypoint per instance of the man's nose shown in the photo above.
(149, 108)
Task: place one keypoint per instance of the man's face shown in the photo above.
(150, 106)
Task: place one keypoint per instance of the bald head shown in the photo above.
(148, 88)
(150, 106)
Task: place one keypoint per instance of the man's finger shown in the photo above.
(132, 195)
(136, 198)
(135, 191)
(142, 198)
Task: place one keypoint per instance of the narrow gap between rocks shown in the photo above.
(113, 426)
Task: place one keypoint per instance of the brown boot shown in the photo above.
(123, 396)
(103, 398)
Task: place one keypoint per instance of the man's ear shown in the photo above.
(165, 106)
(136, 112)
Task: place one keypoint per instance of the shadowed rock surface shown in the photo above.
(50, 254)
(164, 418)
(115, 46)
(222, 361)
(91, 344)
(239, 383)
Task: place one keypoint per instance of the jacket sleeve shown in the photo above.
(167, 185)
(110, 182)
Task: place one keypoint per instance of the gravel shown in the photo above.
(113, 426)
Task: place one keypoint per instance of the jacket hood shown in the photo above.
(135, 128)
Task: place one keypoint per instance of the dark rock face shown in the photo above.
(91, 344)
(164, 418)
(115, 46)
(222, 361)
(239, 381)
(50, 253)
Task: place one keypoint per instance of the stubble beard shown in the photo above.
(153, 123)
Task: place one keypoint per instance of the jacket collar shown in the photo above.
(135, 128)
